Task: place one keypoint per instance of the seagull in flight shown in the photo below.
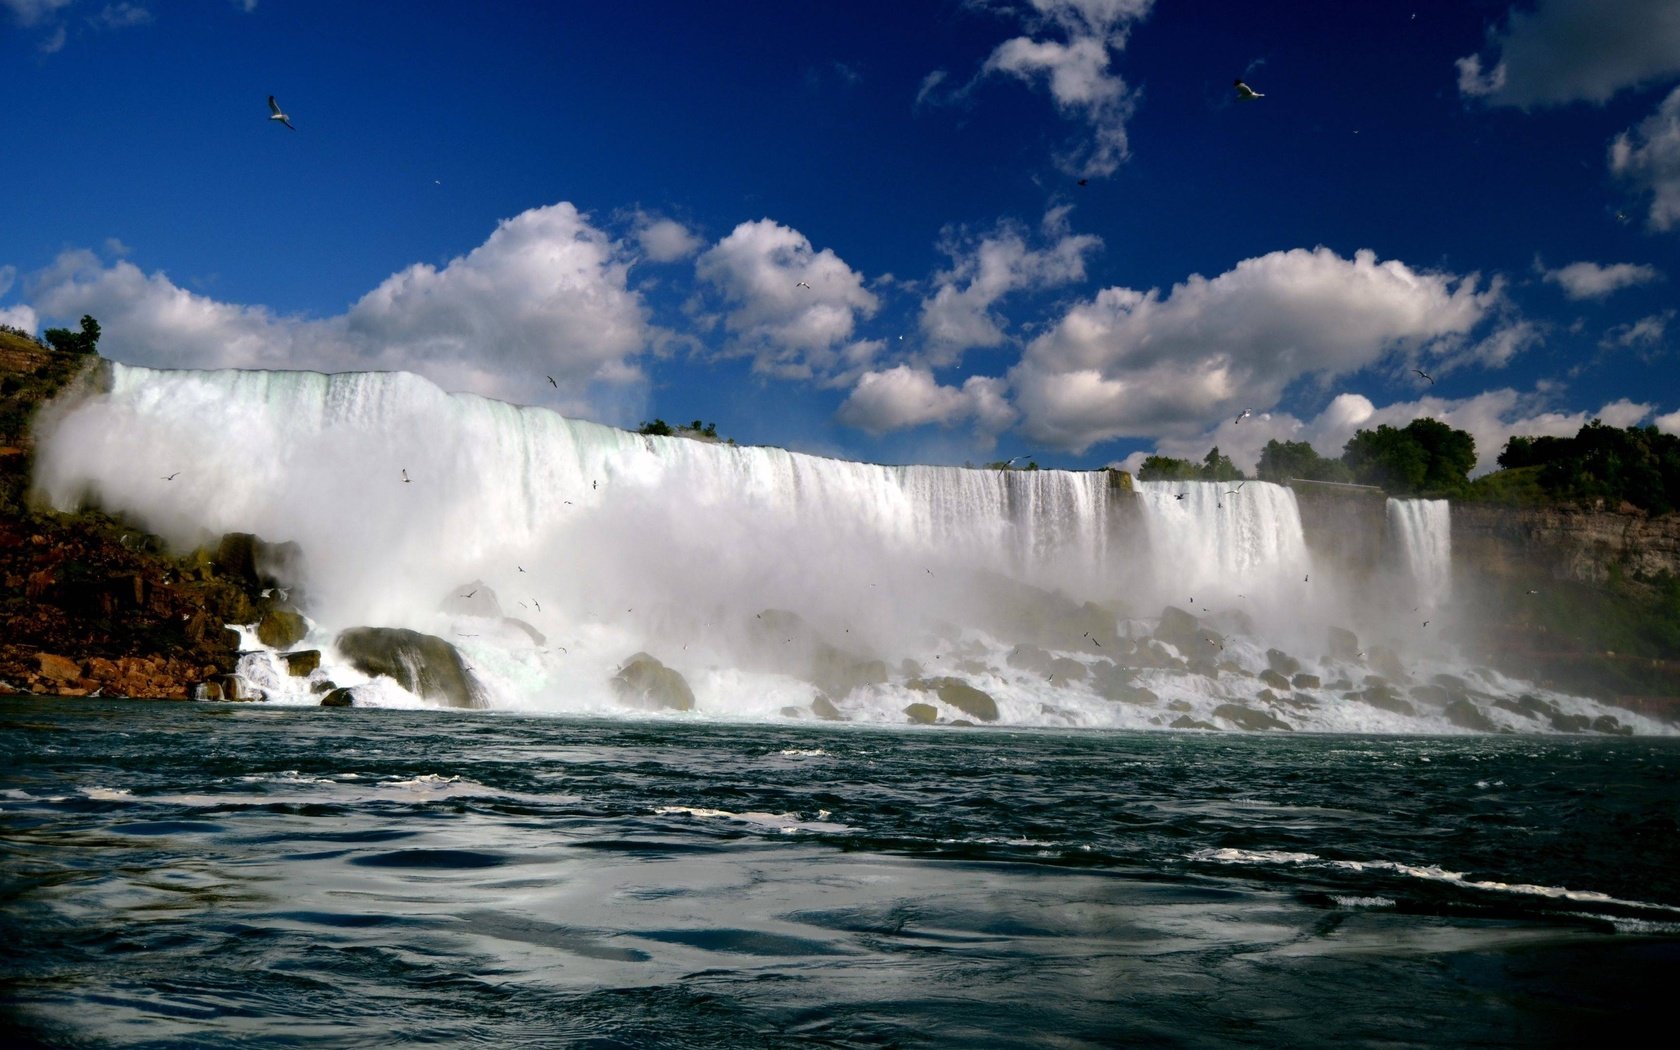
(405, 476)
(1026, 455)
(1425, 375)
(1233, 492)
(1244, 92)
(551, 382)
(1180, 495)
(1245, 414)
(173, 476)
(276, 114)
(802, 284)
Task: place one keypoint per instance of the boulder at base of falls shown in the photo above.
(960, 695)
(339, 698)
(1272, 678)
(301, 663)
(824, 708)
(1178, 629)
(1248, 718)
(281, 628)
(1341, 644)
(424, 664)
(646, 683)
(1383, 697)
(1282, 662)
(921, 714)
(1186, 722)
(1466, 715)
(1305, 681)
(472, 599)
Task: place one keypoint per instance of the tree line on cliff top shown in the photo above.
(1601, 466)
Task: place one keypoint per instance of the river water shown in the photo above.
(183, 874)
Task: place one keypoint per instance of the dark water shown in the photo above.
(235, 875)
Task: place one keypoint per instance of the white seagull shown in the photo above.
(276, 114)
(1245, 414)
(802, 284)
(1244, 92)
(1425, 375)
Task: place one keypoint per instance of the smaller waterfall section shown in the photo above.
(1422, 533)
(1221, 544)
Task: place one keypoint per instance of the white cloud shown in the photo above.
(30, 12)
(1649, 157)
(1645, 333)
(1586, 280)
(664, 240)
(544, 295)
(20, 317)
(54, 43)
(1130, 363)
(121, 16)
(1077, 72)
(1669, 424)
(1573, 50)
(1491, 417)
(960, 315)
(904, 396)
(788, 330)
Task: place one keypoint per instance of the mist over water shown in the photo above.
(602, 543)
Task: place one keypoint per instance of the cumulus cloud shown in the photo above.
(664, 240)
(1076, 69)
(1644, 334)
(1574, 50)
(1131, 363)
(791, 308)
(960, 314)
(1649, 157)
(544, 295)
(20, 317)
(1668, 424)
(1587, 280)
(1491, 417)
(905, 396)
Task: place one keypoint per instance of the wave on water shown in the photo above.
(577, 568)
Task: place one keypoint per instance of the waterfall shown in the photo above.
(1422, 533)
(1221, 543)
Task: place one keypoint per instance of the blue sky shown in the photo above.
(858, 229)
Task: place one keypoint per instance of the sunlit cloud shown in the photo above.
(1562, 51)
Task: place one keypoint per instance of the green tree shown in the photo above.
(1218, 468)
(67, 342)
(1166, 468)
(1425, 455)
(1282, 460)
(658, 428)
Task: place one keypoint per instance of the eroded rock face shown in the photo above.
(281, 628)
(646, 683)
(424, 664)
(1249, 718)
(921, 714)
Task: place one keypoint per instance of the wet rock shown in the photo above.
(1186, 722)
(1434, 695)
(1610, 724)
(58, 668)
(234, 687)
(1383, 697)
(824, 708)
(1179, 705)
(646, 683)
(1505, 703)
(1305, 681)
(339, 698)
(1274, 679)
(1030, 658)
(794, 711)
(325, 685)
(281, 628)
(921, 714)
(1281, 662)
(1466, 715)
(1571, 723)
(476, 598)
(1341, 644)
(788, 644)
(960, 695)
(1250, 719)
(301, 663)
(1178, 629)
(1387, 663)
(424, 664)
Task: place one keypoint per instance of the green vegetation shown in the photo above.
(1282, 460)
(1214, 467)
(1424, 457)
(67, 342)
(660, 428)
(1600, 466)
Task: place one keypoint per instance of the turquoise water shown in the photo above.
(236, 875)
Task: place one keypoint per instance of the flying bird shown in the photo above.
(551, 382)
(1180, 495)
(276, 114)
(1084, 182)
(1245, 414)
(470, 593)
(802, 284)
(173, 476)
(405, 475)
(1011, 462)
(1425, 375)
(1233, 492)
(1244, 92)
